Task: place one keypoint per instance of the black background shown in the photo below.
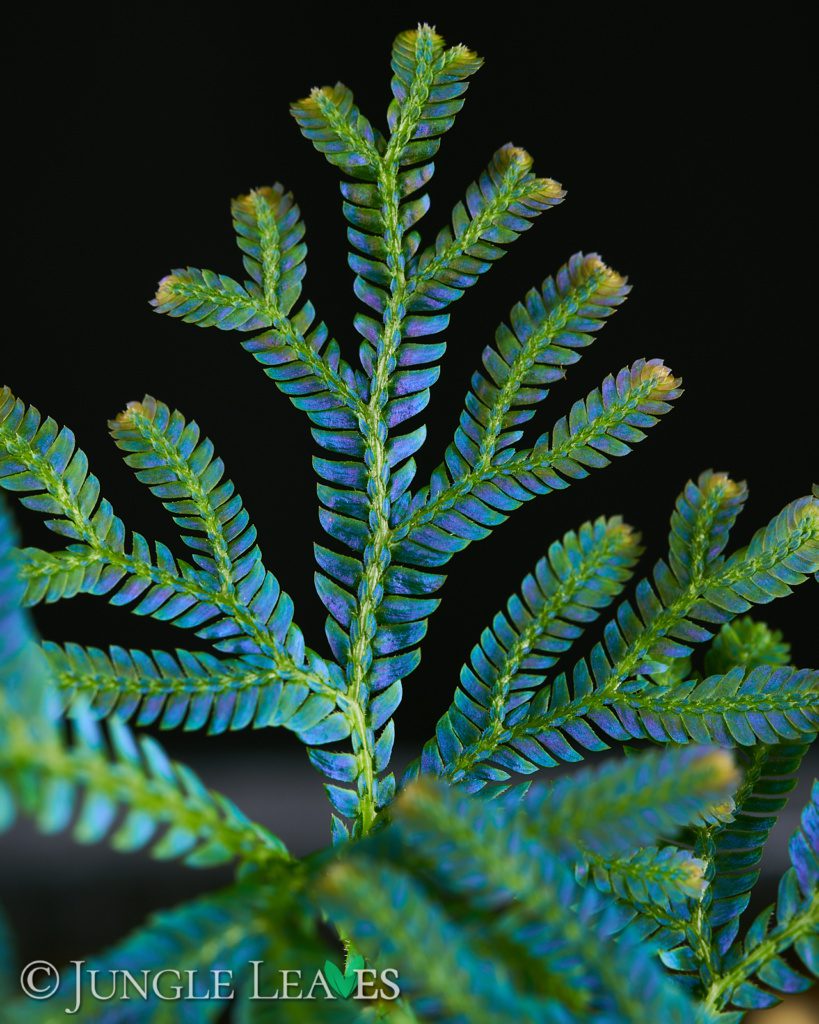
(682, 141)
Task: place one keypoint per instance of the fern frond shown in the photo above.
(404, 927)
(631, 803)
(764, 704)
(756, 973)
(578, 577)
(485, 854)
(189, 690)
(769, 776)
(701, 522)
(356, 492)
(329, 118)
(250, 616)
(170, 456)
(654, 887)
(306, 366)
(461, 504)
(41, 461)
(650, 878)
(180, 469)
(746, 642)
(549, 903)
(732, 852)
(297, 354)
(167, 809)
(269, 231)
(779, 557)
(379, 595)
(428, 87)
(166, 588)
(316, 381)
(498, 208)
(226, 930)
(207, 299)
(703, 517)
(85, 787)
(546, 330)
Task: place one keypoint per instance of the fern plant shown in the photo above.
(611, 895)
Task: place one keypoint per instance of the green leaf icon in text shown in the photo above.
(343, 984)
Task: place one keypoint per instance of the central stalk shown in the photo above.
(377, 554)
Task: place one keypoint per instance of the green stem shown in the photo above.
(376, 556)
(700, 932)
(236, 677)
(375, 430)
(749, 703)
(803, 923)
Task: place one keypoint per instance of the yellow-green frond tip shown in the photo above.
(623, 534)
(609, 279)
(131, 411)
(664, 381)
(270, 194)
(166, 289)
(722, 486)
